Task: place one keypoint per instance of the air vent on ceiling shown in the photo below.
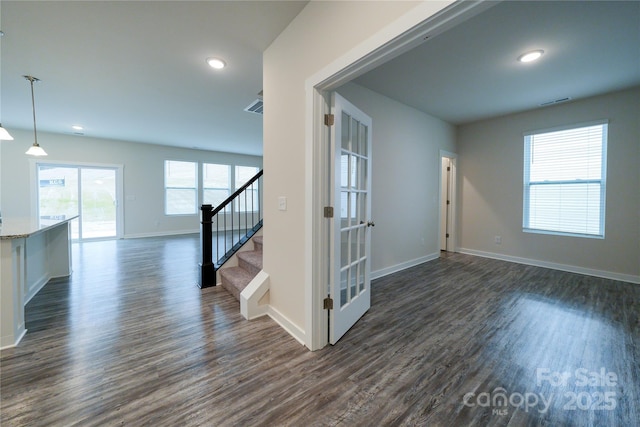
(256, 106)
(556, 101)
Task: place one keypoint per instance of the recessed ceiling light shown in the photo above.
(77, 127)
(531, 56)
(216, 63)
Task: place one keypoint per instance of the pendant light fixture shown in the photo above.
(35, 149)
(4, 135)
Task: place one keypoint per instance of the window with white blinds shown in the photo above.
(564, 181)
(180, 187)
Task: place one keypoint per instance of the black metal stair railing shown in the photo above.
(228, 226)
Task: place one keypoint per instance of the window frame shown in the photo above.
(527, 183)
(195, 188)
(229, 180)
(254, 197)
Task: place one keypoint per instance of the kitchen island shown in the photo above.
(32, 252)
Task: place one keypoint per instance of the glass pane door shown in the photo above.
(88, 192)
(58, 195)
(98, 214)
(350, 249)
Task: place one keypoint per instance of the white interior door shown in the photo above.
(351, 225)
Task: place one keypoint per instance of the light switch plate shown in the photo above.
(282, 203)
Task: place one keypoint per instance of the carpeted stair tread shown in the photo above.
(235, 279)
(257, 243)
(250, 261)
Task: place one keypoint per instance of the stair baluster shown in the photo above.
(237, 235)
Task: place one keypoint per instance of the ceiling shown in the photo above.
(136, 71)
(471, 72)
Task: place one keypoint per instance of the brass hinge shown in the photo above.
(328, 304)
(328, 211)
(328, 119)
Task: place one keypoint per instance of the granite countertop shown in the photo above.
(16, 228)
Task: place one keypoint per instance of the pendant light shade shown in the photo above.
(35, 149)
(4, 135)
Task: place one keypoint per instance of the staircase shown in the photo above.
(235, 279)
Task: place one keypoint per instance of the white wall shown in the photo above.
(324, 38)
(143, 176)
(490, 188)
(405, 176)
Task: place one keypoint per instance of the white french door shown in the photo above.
(349, 286)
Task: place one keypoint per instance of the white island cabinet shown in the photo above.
(32, 253)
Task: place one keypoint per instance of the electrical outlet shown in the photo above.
(498, 240)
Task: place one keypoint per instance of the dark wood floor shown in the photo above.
(130, 340)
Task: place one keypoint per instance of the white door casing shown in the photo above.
(350, 264)
(447, 214)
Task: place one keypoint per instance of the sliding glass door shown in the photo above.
(87, 191)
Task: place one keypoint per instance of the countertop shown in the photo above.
(16, 228)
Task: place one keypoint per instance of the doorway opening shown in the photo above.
(90, 192)
(319, 164)
(447, 201)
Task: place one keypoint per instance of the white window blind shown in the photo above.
(216, 183)
(564, 181)
(180, 187)
(248, 202)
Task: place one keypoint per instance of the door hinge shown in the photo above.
(328, 211)
(328, 119)
(448, 202)
(447, 235)
(328, 304)
(448, 168)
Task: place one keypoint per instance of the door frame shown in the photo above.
(371, 53)
(33, 172)
(453, 158)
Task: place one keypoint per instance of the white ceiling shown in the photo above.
(471, 72)
(135, 70)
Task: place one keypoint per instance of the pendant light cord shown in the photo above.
(33, 106)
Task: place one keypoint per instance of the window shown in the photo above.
(216, 183)
(250, 201)
(564, 181)
(180, 187)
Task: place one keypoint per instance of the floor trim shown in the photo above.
(287, 325)
(403, 266)
(555, 266)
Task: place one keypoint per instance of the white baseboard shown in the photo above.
(287, 325)
(160, 234)
(5, 346)
(35, 287)
(169, 233)
(555, 266)
(403, 266)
